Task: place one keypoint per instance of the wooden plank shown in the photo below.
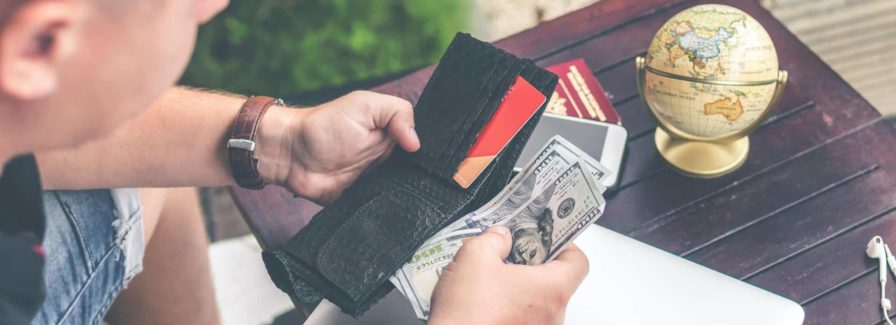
(666, 192)
(767, 217)
(643, 161)
(817, 268)
(624, 42)
(636, 122)
(856, 302)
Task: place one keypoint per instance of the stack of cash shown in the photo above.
(547, 205)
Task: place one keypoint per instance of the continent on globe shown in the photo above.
(702, 48)
(729, 109)
(702, 39)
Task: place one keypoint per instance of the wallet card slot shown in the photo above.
(494, 100)
(508, 66)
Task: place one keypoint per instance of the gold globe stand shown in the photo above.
(704, 157)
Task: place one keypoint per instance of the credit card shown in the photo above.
(578, 94)
(520, 103)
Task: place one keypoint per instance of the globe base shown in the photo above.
(702, 159)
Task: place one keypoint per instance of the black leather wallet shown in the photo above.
(350, 248)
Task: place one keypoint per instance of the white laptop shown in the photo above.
(630, 283)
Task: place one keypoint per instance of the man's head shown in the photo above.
(73, 70)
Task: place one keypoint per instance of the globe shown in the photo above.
(709, 77)
(711, 73)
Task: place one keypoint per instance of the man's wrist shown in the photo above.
(273, 143)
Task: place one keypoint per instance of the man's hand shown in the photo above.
(479, 288)
(320, 151)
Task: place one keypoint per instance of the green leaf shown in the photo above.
(286, 47)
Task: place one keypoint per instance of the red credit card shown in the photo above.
(578, 94)
(520, 103)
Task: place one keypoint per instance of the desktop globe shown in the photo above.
(709, 77)
(712, 71)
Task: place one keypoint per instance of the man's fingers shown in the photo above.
(571, 266)
(396, 115)
(402, 129)
(493, 244)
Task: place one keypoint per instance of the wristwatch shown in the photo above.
(241, 142)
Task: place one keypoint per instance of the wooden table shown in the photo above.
(818, 184)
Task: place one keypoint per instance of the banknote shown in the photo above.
(556, 154)
(555, 157)
(546, 206)
(554, 217)
(419, 276)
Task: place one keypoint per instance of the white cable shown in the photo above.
(887, 316)
(879, 250)
(891, 260)
(885, 303)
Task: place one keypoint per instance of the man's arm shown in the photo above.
(179, 141)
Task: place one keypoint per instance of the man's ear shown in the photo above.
(37, 37)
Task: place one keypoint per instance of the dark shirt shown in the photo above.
(21, 233)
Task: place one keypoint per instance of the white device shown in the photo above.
(878, 249)
(603, 141)
(629, 283)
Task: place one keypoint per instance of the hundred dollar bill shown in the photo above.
(541, 228)
(556, 216)
(556, 156)
(546, 206)
(418, 277)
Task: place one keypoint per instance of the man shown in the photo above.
(87, 86)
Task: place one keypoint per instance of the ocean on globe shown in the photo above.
(711, 72)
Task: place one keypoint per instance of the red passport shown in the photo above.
(578, 94)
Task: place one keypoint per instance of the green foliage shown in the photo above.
(288, 46)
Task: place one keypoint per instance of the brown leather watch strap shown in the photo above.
(241, 143)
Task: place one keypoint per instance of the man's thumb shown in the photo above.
(493, 244)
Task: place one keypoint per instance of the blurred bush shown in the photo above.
(287, 47)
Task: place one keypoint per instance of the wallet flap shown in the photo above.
(460, 97)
